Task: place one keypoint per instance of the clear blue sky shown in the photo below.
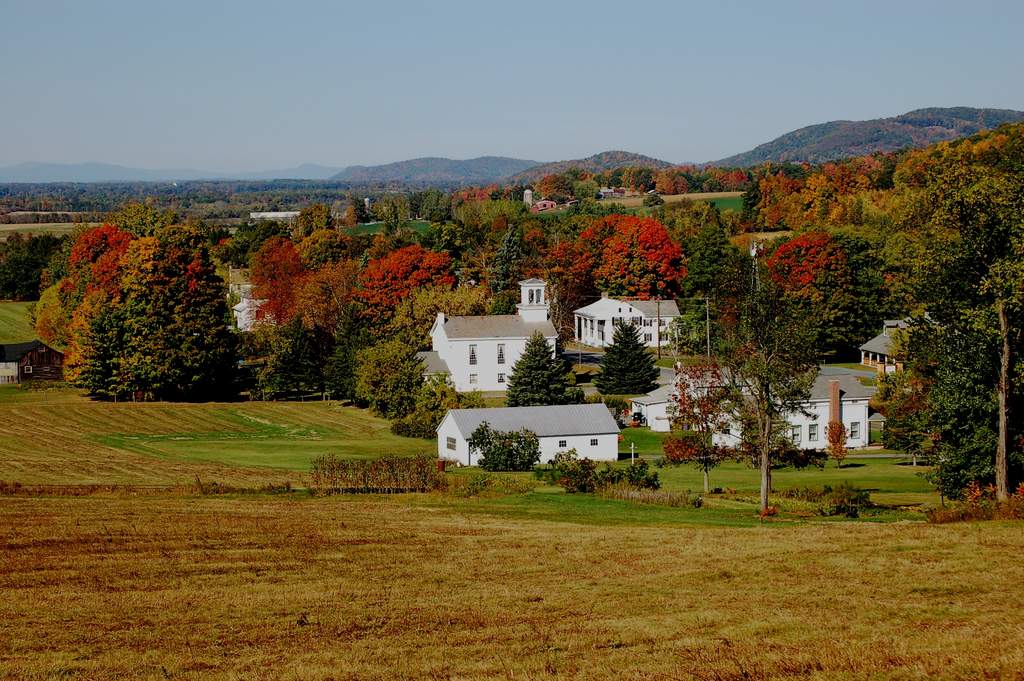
(262, 85)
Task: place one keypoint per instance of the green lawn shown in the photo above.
(55, 228)
(418, 226)
(15, 324)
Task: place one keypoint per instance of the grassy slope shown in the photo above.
(57, 436)
(60, 437)
(15, 325)
(288, 588)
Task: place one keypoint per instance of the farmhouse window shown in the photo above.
(472, 354)
(562, 443)
(855, 430)
(796, 435)
(28, 368)
(450, 442)
(593, 442)
(472, 379)
(812, 432)
(647, 338)
(501, 378)
(501, 353)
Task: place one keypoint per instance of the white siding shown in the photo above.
(656, 414)
(601, 316)
(456, 354)
(606, 449)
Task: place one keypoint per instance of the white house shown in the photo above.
(587, 428)
(877, 353)
(245, 313)
(595, 323)
(835, 396)
(479, 352)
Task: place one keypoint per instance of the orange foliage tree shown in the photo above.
(388, 280)
(277, 272)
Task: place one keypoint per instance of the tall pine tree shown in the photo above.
(538, 378)
(627, 368)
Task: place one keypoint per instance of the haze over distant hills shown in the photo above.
(843, 139)
(815, 144)
(436, 171)
(108, 172)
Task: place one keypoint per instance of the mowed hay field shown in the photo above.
(60, 437)
(15, 322)
(380, 588)
(55, 228)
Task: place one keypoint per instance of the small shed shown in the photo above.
(33, 360)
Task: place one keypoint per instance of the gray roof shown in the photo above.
(496, 326)
(650, 307)
(432, 362)
(532, 282)
(879, 345)
(569, 419)
(849, 387)
(656, 396)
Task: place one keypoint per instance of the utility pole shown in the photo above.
(707, 323)
(657, 330)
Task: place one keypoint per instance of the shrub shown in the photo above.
(488, 483)
(980, 504)
(331, 474)
(844, 499)
(658, 497)
(582, 475)
(505, 451)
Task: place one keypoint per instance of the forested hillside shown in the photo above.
(435, 172)
(843, 139)
(604, 161)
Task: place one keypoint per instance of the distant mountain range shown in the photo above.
(606, 160)
(843, 139)
(107, 172)
(814, 144)
(433, 171)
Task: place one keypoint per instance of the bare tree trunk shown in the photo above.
(766, 469)
(766, 478)
(707, 489)
(1002, 483)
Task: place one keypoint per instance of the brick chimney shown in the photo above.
(834, 412)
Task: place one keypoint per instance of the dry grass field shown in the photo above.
(366, 588)
(55, 228)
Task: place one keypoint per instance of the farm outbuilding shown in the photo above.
(587, 428)
(33, 360)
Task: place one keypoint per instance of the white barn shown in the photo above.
(479, 352)
(595, 323)
(587, 428)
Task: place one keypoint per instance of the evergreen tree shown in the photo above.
(538, 378)
(627, 368)
(506, 261)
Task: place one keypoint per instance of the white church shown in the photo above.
(478, 353)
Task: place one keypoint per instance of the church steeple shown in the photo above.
(533, 301)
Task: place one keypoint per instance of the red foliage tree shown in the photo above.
(93, 263)
(637, 259)
(702, 411)
(389, 279)
(277, 272)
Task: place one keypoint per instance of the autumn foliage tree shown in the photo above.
(388, 280)
(836, 434)
(637, 257)
(277, 272)
(702, 410)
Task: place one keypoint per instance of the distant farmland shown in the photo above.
(56, 228)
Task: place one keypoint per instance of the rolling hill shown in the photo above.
(842, 139)
(433, 171)
(606, 160)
